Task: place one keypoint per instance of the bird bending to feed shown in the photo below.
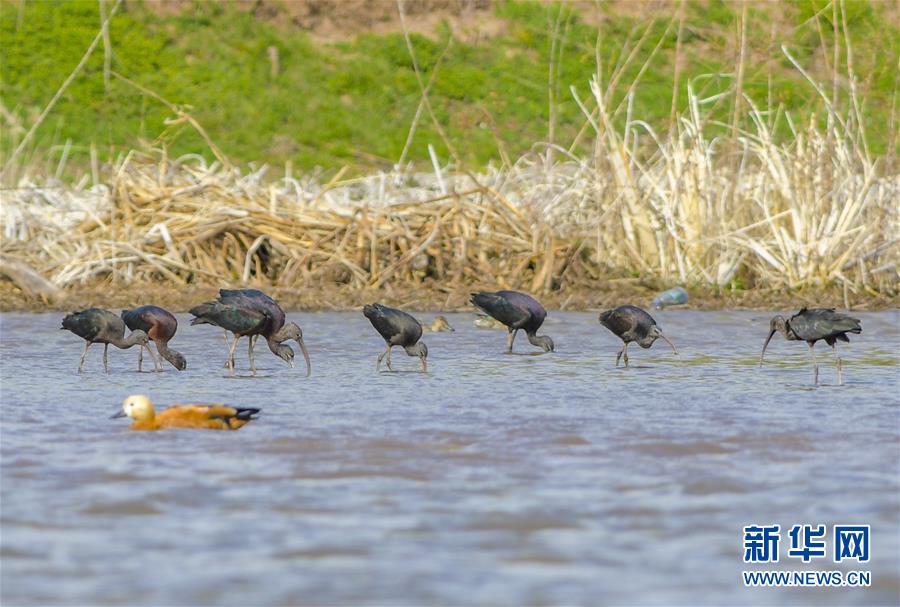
(201, 417)
(675, 296)
(251, 313)
(160, 327)
(516, 311)
(630, 323)
(398, 329)
(96, 326)
(439, 325)
(811, 325)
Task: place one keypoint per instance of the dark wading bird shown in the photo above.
(811, 326)
(516, 311)
(97, 326)
(398, 329)
(630, 323)
(251, 313)
(160, 327)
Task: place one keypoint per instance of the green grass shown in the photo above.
(352, 103)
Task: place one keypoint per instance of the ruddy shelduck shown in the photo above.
(203, 417)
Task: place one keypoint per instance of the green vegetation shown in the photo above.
(352, 103)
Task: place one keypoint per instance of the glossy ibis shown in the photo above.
(675, 296)
(516, 311)
(398, 329)
(160, 327)
(251, 313)
(811, 325)
(632, 324)
(201, 417)
(96, 326)
(439, 325)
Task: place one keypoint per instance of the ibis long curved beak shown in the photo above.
(670, 343)
(766, 345)
(305, 356)
(120, 413)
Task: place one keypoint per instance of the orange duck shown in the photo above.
(203, 417)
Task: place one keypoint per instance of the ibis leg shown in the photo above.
(106, 357)
(839, 365)
(381, 357)
(390, 368)
(228, 363)
(231, 352)
(156, 366)
(511, 339)
(815, 365)
(157, 358)
(619, 355)
(87, 345)
(625, 353)
(250, 354)
(140, 359)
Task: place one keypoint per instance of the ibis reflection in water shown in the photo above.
(96, 326)
(251, 313)
(517, 311)
(632, 324)
(398, 329)
(160, 327)
(812, 325)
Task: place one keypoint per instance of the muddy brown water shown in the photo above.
(493, 479)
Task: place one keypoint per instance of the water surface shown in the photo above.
(493, 479)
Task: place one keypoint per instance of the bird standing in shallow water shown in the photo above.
(516, 311)
(398, 329)
(97, 326)
(811, 325)
(249, 312)
(160, 327)
(632, 324)
(439, 325)
(201, 417)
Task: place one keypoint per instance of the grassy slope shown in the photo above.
(352, 103)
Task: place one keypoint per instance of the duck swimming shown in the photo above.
(203, 417)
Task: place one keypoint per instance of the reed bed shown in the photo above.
(811, 212)
(688, 207)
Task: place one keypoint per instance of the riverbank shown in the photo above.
(432, 297)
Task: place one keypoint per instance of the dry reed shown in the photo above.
(811, 212)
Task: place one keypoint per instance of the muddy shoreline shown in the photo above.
(432, 297)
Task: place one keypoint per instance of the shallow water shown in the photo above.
(493, 479)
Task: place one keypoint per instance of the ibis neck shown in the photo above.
(273, 344)
(125, 342)
(167, 353)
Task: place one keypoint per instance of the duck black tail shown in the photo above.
(246, 413)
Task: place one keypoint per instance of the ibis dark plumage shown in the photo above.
(812, 325)
(398, 329)
(632, 324)
(96, 326)
(251, 313)
(517, 311)
(160, 327)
